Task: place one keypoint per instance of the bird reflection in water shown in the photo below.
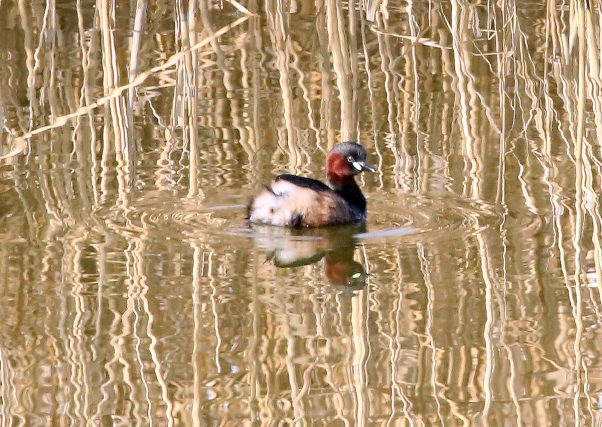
(288, 248)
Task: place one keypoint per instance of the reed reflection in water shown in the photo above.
(133, 292)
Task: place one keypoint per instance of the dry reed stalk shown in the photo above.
(190, 95)
(371, 95)
(404, 87)
(423, 162)
(26, 27)
(396, 132)
(124, 151)
(80, 152)
(247, 137)
(446, 67)
(327, 98)
(178, 104)
(106, 159)
(53, 34)
(50, 195)
(85, 99)
(169, 172)
(137, 33)
(303, 80)
(38, 59)
(235, 111)
(255, 31)
(251, 139)
(354, 68)
(466, 98)
(277, 24)
(117, 92)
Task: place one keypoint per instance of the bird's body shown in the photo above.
(295, 201)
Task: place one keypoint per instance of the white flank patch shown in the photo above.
(279, 207)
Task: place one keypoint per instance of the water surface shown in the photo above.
(134, 292)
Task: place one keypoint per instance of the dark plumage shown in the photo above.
(296, 201)
(301, 181)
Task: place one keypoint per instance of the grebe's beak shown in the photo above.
(363, 167)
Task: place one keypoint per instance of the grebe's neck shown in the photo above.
(340, 182)
(347, 188)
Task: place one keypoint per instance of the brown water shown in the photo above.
(133, 291)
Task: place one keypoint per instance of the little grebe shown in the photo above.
(296, 201)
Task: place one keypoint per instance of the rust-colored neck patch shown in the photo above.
(336, 164)
(337, 170)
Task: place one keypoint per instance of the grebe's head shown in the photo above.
(347, 159)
